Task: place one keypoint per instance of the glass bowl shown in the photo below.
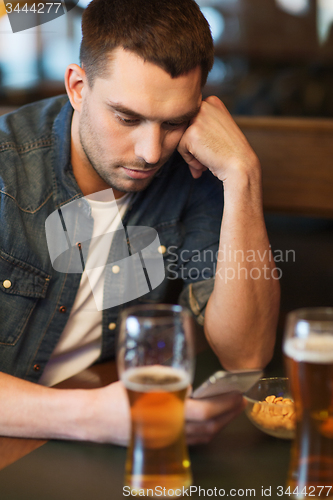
(270, 407)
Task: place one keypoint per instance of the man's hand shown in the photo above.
(214, 141)
(242, 311)
(100, 415)
(204, 418)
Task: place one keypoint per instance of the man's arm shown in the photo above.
(241, 314)
(100, 415)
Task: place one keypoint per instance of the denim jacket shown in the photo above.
(36, 178)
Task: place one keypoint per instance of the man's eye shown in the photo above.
(127, 121)
(174, 124)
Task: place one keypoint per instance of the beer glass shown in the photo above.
(156, 363)
(308, 350)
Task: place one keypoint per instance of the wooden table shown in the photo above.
(240, 462)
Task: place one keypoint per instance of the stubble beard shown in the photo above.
(111, 173)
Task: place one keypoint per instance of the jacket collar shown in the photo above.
(65, 187)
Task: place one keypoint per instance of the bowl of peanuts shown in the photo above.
(270, 407)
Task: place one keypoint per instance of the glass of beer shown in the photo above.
(156, 364)
(308, 350)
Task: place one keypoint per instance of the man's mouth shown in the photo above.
(140, 174)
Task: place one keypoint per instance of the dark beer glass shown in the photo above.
(308, 350)
(156, 364)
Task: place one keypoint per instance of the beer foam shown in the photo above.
(311, 349)
(156, 377)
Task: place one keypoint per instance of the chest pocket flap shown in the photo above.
(21, 285)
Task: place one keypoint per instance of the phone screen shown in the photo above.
(223, 381)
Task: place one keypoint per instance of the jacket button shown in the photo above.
(36, 368)
(7, 284)
(115, 269)
(161, 249)
(62, 309)
(112, 326)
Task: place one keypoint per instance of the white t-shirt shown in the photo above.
(80, 343)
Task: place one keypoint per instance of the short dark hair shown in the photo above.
(173, 34)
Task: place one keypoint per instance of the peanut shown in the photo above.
(274, 413)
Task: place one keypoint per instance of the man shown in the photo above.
(136, 123)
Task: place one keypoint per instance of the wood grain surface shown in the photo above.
(296, 155)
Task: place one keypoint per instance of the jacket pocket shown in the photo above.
(21, 285)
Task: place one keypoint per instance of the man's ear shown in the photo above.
(75, 80)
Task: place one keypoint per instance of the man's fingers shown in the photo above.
(203, 432)
(206, 417)
(196, 168)
(207, 408)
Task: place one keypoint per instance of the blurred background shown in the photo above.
(273, 57)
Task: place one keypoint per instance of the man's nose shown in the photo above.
(149, 143)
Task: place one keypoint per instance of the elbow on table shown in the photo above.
(255, 354)
(248, 361)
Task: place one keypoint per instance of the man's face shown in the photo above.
(131, 122)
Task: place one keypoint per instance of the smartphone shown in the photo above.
(222, 381)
